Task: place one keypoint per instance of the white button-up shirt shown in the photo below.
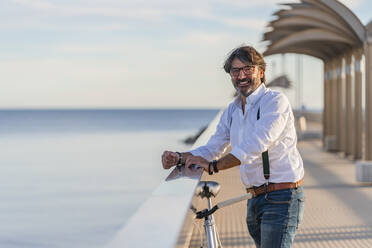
(249, 137)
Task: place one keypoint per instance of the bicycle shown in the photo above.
(210, 189)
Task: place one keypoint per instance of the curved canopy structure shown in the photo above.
(369, 29)
(328, 30)
(320, 28)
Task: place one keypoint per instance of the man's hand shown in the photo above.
(169, 159)
(198, 161)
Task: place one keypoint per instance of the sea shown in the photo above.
(72, 178)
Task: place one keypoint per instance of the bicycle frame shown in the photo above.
(210, 228)
(208, 189)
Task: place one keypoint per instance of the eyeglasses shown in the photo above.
(247, 70)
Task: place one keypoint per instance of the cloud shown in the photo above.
(273, 3)
(249, 23)
(202, 39)
(79, 9)
(76, 48)
(352, 3)
(58, 71)
(159, 10)
(136, 10)
(113, 15)
(163, 47)
(36, 4)
(255, 4)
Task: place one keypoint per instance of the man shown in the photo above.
(259, 125)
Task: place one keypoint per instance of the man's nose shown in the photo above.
(241, 74)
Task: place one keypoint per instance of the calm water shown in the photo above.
(71, 178)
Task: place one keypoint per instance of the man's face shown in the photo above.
(245, 77)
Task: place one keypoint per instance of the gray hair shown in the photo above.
(246, 54)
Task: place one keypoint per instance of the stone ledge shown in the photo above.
(363, 171)
(330, 143)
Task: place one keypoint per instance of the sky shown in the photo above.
(138, 53)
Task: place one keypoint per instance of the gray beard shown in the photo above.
(250, 90)
(242, 94)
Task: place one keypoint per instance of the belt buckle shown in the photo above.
(266, 186)
(251, 191)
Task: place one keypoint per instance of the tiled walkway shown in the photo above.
(338, 211)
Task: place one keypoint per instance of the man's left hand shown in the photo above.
(198, 161)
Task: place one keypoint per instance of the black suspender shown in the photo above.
(265, 157)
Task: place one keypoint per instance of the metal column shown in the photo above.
(339, 104)
(326, 118)
(368, 109)
(358, 118)
(348, 130)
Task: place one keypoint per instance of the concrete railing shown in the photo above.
(165, 219)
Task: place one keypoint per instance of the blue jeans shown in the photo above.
(273, 218)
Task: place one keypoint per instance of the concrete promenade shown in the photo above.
(338, 210)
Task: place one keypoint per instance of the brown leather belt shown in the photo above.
(256, 191)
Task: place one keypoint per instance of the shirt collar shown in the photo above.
(254, 97)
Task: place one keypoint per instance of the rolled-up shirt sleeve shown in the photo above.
(274, 115)
(218, 141)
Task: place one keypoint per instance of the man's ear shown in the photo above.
(261, 73)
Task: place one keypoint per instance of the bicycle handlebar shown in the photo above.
(205, 212)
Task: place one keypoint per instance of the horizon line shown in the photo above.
(106, 108)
